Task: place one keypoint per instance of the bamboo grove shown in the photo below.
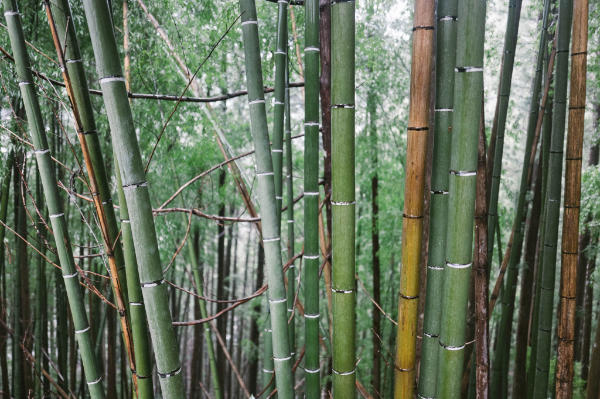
(299, 198)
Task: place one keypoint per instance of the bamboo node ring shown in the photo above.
(312, 316)
(152, 284)
(282, 359)
(458, 265)
(168, 375)
(82, 330)
(95, 382)
(344, 372)
(65, 276)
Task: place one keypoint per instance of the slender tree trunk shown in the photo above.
(20, 263)
(4, 199)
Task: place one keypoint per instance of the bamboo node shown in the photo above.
(312, 371)
(343, 203)
(439, 192)
(171, 374)
(65, 276)
(312, 316)
(468, 69)
(435, 267)
(422, 27)
(11, 13)
(41, 152)
(282, 359)
(136, 304)
(444, 110)
(280, 52)
(458, 265)
(418, 129)
(311, 193)
(310, 48)
(95, 382)
(109, 79)
(278, 300)
(271, 239)
(448, 18)
(257, 101)
(57, 215)
(344, 372)
(152, 284)
(405, 215)
(24, 83)
(311, 123)
(277, 150)
(87, 132)
(350, 106)
(265, 174)
(73, 61)
(431, 335)
(338, 291)
(135, 185)
(463, 173)
(268, 371)
(452, 348)
(250, 22)
(82, 330)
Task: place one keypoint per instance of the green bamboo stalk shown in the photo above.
(199, 282)
(18, 378)
(137, 197)
(53, 202)
(137, 310)
(40, 303)
(444, 104)
(508, 60)
(500, 365)
(291, 273)
(279, 100)
(3, 214)
(311, 199)
(343, 198)
(266, 198)
(468, 89)
(552, 201)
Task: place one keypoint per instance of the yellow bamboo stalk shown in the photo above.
(412, 222)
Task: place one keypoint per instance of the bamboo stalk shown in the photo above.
(444, 106)
(552, 201)
(57, 217)
(461, 199)
(311, 199)
(412, 219)
(266, 196)
(572, 195)
(343, 198)
(135, 187)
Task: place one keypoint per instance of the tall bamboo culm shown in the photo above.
(468, 87)
(70, 275)
(137, 196)
(311, 198)
(266, 197)
(412, 218)
(343, 202)
(63, 34)
(444, 106)
(552, 202)
(508, 60)
(291, 273)
(570, 229)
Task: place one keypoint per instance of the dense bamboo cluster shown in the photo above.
(350, 231)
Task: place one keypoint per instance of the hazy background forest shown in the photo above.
(181, 137)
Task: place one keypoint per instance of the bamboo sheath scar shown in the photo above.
(70, 275)
(572, 196)
(101, 197)
(266, 196)
(137, 197)
(447, 11)
(412, 222)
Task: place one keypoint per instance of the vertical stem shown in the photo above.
(343, 197)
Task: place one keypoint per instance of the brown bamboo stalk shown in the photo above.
(412, 224)
(572, 195)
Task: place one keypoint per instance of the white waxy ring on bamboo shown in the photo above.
(278, 150)
(74, 61)
(250, 22)
(312, 316)
(311, 124)
(435, 267)
(57, 215)
(125, 221)
(135, 185)
(258, 101)
(312, 371)
(136, 304)
(277, 300)
(343, 203)
(419, 396)
(452, 348)
(82, 330)
(458, 265)
(109, 79)
(290, 221)
(448, 18)
(468, 69)
(311, 256)
(95, 382)
(343, 372)
(444, 110)
(275, 102)
(65, 276)
(168, 375)
(271, 239)
(279, 52)
(11, 13)
(430, 335)
(312, 49)
(337, 291)
(310, 193)
(265, 174)
(24, 83)
(152, 284)
(41, 152)
(268, 371)
(463, 173)
(282, 359)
